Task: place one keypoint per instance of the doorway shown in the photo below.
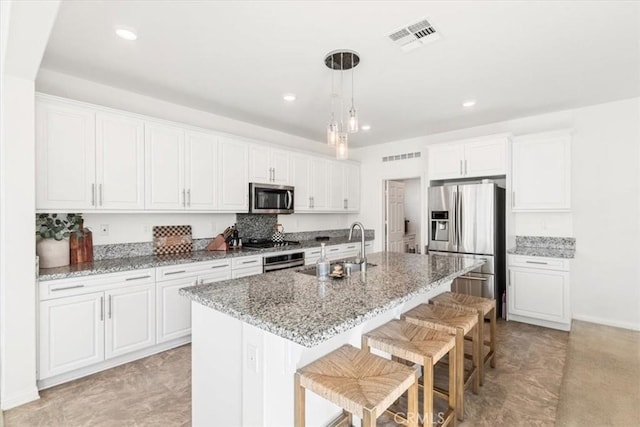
(402, 215)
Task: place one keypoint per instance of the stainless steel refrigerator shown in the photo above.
(468, 220)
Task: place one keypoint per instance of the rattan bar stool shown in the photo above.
(424, 346)
(485, 307)
(361, 383)
(458, 321)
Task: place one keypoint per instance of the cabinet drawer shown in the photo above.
(247, 271)
(82, 285)
(247, 261)
(188, 270)
(539, 262)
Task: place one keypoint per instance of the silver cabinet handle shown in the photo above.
(184, 198)
(465, 166)
(460, 167)
(100, 194)
(67, 287)
(480, 279)
(101, 308)
(309, 201)
(537, 262)
(93, 194)
(313, 202)
(137, 278)
(169, 273)
(189, 197)
(249, 262)
(334, 249)
(109, 306)
(220, 266)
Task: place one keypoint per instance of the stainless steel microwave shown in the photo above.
(270, 199)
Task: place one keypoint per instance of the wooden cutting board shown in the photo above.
(172, 239)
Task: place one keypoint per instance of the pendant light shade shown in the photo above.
(338, 130)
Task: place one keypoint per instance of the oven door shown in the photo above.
(282, 261)
(270, 199)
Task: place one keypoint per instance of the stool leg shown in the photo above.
(452, 378)
(427, 391)
(477, 348)
(492, 337)
(299, 403)
(365, 344)
(481, 346)
(412, 403)
(369, 418)
(460, 374)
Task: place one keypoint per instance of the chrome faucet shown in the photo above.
(363, 256)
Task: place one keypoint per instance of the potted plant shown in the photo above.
(53, 245)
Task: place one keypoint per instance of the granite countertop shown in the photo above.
(302, 309)
(544, 252)
(150, 261)
(544, 246)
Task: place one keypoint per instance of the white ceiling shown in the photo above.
(237, 58)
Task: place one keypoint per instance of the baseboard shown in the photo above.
(538, 322)
(18, 399)
(607, 322)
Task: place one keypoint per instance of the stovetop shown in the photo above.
(266, 243)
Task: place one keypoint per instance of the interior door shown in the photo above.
(395, 216)
(476, 218)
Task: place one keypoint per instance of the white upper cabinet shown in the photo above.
(65, 157)
(300, 170)
(164, 168)
(119, 162)
(541, 172)
(319, 184)
(201, 168)
(485, 156)
(352, 187)
(233, 175)
(336, 186)
(268, 165)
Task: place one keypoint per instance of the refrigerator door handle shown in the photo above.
(459, 219)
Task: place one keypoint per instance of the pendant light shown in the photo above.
(337, 132)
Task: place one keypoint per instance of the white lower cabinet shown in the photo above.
(71, 333)
(539, 293)
(130, 320)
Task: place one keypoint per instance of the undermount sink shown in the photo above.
(355, 267)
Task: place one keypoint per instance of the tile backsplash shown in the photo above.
(255, 226)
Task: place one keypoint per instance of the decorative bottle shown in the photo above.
(322, 265)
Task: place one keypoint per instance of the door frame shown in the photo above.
(423, 207)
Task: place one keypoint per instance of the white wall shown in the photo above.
(605, 200)
(25, 30)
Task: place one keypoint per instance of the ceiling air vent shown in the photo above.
(414, 35)
(404, 156)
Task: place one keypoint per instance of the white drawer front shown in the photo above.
(245, 272)
(561, 264)
(82, 285)
(247, 261)
(180, 271)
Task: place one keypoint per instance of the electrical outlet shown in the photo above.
(252, 358)
(104, 229)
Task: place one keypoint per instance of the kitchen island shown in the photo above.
(249, 335)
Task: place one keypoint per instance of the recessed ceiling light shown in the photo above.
(289, 97)
(469, 103)
(366, 127)
(126, 34)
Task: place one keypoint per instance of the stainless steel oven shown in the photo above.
(270, 199)
(282, 261)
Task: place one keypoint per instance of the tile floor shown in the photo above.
(535, 383)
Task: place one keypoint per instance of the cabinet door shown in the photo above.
(164, 167)
(119, 162)
(131, 320)
(336, 187)
(352, 187)
(485, 158)
(71, 334)
(280, 165)
(233, 175)
(301, 180)
(446, 161)
(173, 311)
(201, 167)
(259, 164)
(65, 157)
(541, 173)
(319, 184)
(540, 294)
